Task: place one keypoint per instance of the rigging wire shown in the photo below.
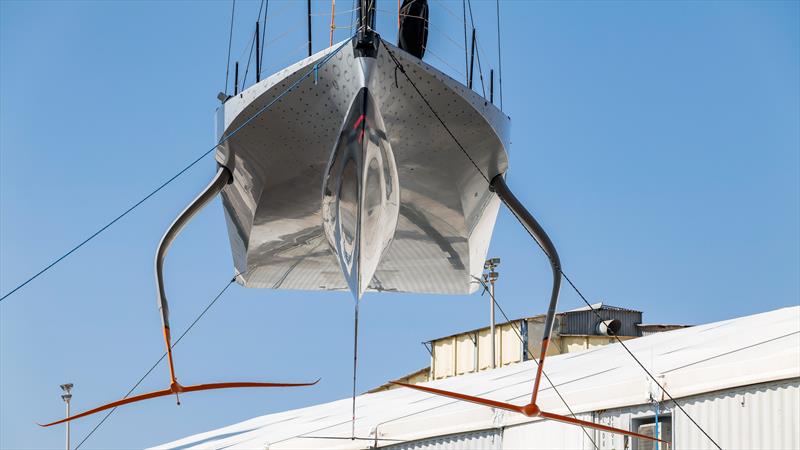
(355, 367)
(327, 14)
(164, 355)
(480, 69)
(106, 226)
(293, 53)
(574, 287)
(264, 33)
(351, 438)
(278, 13)
(424, 99)
(352, 14)
(429, 52)
(284, 34)
(466, 53)
(252, 43)
(649, 374)
(528, 351)
(230, 40)
(432, 27)
(308, 74)
(450, 11)
(249, 57)
(499, 58)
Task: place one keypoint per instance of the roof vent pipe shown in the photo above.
(609, 327)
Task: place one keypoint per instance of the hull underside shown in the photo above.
(445, 216)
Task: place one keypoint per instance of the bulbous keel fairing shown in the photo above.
(361, 194)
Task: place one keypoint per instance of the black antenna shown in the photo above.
(309, 27)
(472, 60)
(466, 57)
(236, 79)
(491, 86)
(258, 54)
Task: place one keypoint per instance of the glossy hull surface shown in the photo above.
(286, 217)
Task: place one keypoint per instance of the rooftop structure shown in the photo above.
(745, 370)
(574, 330)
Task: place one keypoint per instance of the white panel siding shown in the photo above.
(765, 416)
(477, 440)
(740, 379)
(546, 435)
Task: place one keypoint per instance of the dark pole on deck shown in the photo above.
(491, 86)
(472, 60)
(258, 55)
(236, 79)
(309, 27)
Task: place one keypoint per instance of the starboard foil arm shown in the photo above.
(498, 186)
(222, 177)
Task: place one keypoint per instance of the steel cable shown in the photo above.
(164, 355)
(230, 40)
(574, 287)
(526, 350)
(224, 138)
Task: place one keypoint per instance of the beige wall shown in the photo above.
(465, 354)
(468, 352)
(578, 343)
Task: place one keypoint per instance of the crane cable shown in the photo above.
(230, 40)
(256, 37)
(574, 287)
(480, 69)
(264, 33)
(355, 366)
(164, 355)
(313, 71)
(499, 58)
(517, 331)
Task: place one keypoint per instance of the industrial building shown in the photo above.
(573, 331)
(739, 379)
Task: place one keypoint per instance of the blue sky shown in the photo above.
(657, 142)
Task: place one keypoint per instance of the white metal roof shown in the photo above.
(748, 350)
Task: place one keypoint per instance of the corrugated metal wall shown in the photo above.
(584, 322)
(764, 416)
(546, 435)
(476, 440)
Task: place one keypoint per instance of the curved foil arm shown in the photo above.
(220, 180)
(175, 389)
(529, 410)
(499, 186)
(222, 177)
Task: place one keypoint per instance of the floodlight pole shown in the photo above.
(67, 396)
(491, 277)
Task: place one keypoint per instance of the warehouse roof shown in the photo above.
(540, 317)
(748, 350)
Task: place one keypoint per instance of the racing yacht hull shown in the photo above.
(321, 201)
